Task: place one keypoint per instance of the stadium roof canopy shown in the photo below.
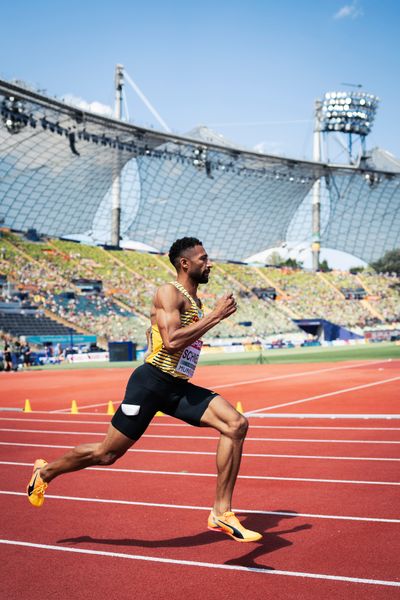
(58, 165)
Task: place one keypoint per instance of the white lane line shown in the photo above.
(285, 513)
(251, 477)
(324, 417)
(68, 410)
(196, 452)
(71, 421)
(336, 393)
(322, 428)
(191, 563)
(204, 437)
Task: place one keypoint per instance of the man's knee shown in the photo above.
(238, 427)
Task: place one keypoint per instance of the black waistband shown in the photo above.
(156, 373)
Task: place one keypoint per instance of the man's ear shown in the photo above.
(184, 263)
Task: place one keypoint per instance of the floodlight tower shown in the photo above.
(349, 113)
(116, 186)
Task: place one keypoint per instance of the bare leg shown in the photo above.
(233, 428)
(106, 452)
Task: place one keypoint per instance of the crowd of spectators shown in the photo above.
(311, 295)
(46, 270)
(95, 313)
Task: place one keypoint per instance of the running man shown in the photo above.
(162, 384)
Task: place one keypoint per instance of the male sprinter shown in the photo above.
(162, 384)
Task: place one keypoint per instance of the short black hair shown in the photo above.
(175, 252)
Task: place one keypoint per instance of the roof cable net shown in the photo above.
(58, 165)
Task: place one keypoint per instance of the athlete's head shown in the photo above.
(188, 255)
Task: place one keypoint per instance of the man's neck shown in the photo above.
(189, 285)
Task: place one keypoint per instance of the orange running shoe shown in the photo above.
(228, 523)
(37, 486)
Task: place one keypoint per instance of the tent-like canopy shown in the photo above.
(58, 165)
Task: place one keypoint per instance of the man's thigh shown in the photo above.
(138, 407)
(188, 403)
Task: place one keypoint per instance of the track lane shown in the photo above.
(272, 495)
(165, 424)
(200, 433)
(348, 399)
(277, 393)
(356, 448)
(182, 535)
(239, 510)
(272, 466)
(78, 573)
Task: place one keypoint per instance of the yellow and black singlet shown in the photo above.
(180, 364)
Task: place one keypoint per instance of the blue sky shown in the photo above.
(250, 70)
(244, 68)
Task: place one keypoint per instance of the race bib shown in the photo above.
(189, 358)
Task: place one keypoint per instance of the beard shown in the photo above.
(201, 277)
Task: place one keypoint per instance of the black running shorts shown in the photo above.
(150, 390)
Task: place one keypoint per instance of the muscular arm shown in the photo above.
(168, 304)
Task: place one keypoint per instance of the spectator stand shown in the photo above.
(47, 269)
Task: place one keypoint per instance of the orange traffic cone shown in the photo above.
(27, 407)
(74, 408)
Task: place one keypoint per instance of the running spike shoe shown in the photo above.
(228, 523)
(36, 486)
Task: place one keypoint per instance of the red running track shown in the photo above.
(324, 492)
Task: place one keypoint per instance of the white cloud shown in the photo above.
(269, 148)
(349, 11)
(96, 107)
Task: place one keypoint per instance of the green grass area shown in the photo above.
(306, 355)
(380, 351)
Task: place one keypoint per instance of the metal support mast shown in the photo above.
(116, 186)
(316, 193)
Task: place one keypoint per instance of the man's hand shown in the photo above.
(225, 307)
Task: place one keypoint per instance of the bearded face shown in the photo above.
(197, 264)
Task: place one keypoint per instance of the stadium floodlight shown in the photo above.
(351, 113)
(348, 112)
(199, 156)
(13, 114)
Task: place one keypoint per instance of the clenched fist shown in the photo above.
(225, 306)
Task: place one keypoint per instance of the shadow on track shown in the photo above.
(271, 542)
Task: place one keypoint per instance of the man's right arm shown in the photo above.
(175, 337)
